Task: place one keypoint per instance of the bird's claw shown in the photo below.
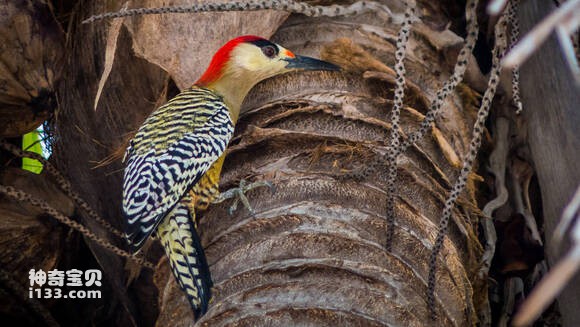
(238, 193)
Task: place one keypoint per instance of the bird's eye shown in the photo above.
(269, 51)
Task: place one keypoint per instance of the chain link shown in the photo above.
(64, 185)
(25, 197)
(402, 40)
(284, 5)
(479, 128)
(514, 35)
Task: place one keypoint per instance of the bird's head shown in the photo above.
(246, 60)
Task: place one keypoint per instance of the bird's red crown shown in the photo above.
(215, 69)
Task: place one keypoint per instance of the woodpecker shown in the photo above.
(175, 159)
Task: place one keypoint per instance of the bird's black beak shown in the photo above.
(307, 63)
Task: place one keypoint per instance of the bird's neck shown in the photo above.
(233, 91)
(233, 97)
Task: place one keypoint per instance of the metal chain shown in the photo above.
(479, 128)
(284, 5)
(25, 197)
(514, 36)
(402, 40)
(63, 183)
(435, 107)
(450, 85)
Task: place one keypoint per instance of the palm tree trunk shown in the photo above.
(314, 253)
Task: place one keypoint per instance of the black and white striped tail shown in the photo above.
(186, 256)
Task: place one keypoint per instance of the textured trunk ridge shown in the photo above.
(314, 252)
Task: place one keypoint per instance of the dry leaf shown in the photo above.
(112, 37)
(446, 148)
(183, 44)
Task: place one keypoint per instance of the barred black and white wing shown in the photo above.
(171, 151)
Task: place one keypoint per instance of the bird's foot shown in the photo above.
(238, 193)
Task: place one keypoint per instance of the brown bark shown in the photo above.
(30, 62)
